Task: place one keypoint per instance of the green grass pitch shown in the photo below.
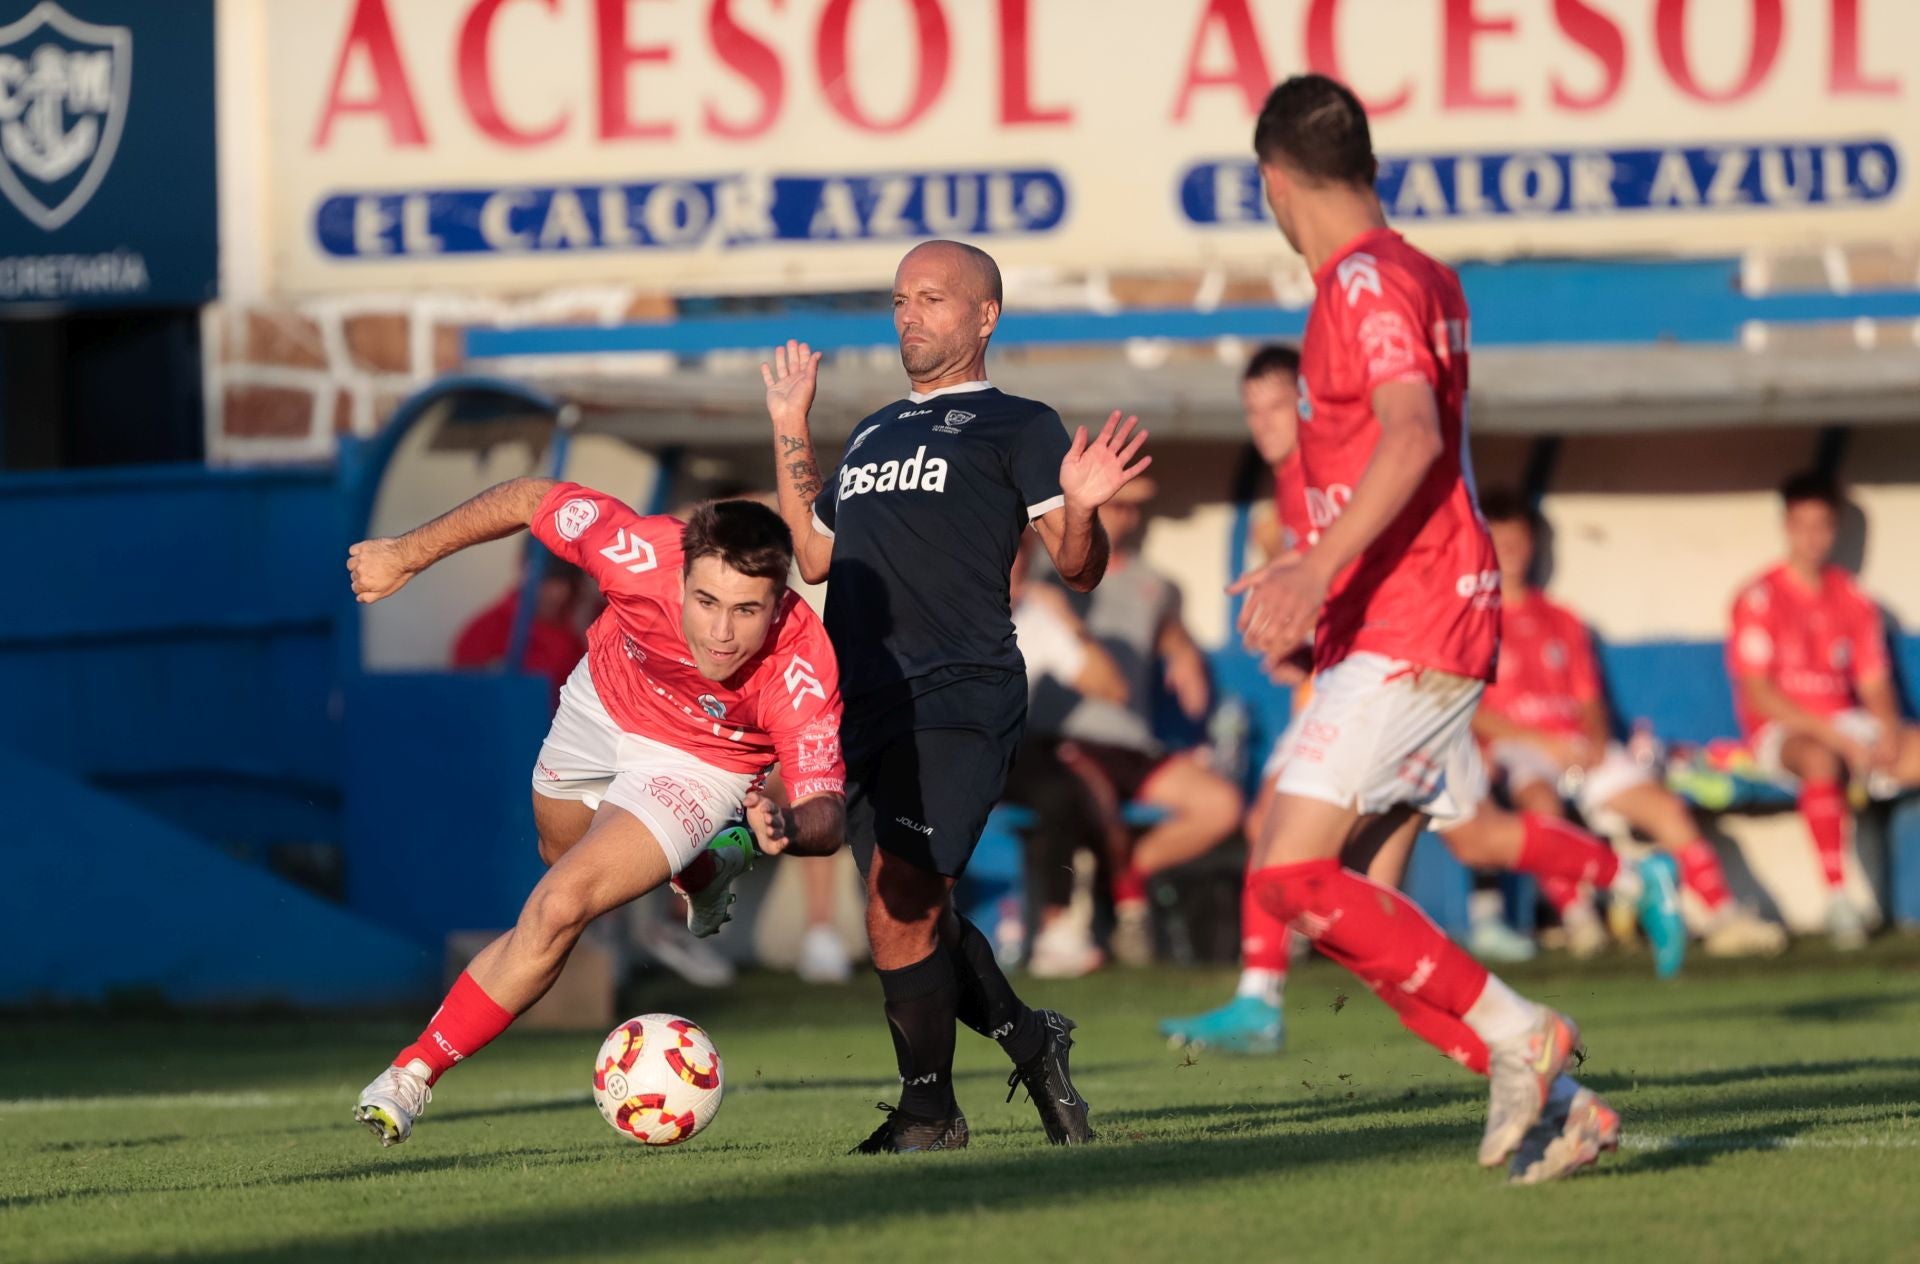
(1772, 1112)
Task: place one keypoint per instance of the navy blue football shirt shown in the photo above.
(926, 510)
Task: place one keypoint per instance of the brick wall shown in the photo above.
(286, 379)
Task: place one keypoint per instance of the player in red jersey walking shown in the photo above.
(703, 671)
(1402, 592)
(1814, 688)
(1482, 835)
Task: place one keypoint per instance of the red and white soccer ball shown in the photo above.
(657, 1079)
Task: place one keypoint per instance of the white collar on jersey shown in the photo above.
(918, 397)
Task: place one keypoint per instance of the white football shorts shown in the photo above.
(1523, 764)
(1857, 723)
(587, 757)
(1379, 732)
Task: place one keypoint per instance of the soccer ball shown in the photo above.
(657, 1079)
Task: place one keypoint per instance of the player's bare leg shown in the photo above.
(1393, 948)
(618, 860)
(559, 824)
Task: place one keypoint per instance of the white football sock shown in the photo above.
(1501, 1013)
(1265, 984)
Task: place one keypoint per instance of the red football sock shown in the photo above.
(1440, 1029)
(1559, 853)
(1129, 886)
(1701, 872)
(1263, 937)
(1374, 931)
(466, 1022)
(698, 873)
(1824, 805)
(1562, 893)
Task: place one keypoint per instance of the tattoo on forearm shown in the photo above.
(805, 479)
(791, 443)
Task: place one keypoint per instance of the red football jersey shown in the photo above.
(1428, 589)
(1815, 646)
(1290, 502)
(1548, 674)
(784, 702)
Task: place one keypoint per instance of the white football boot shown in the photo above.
(823, 958)
(1521, 1072)
(711, 907)
(1575, 1129)
(397, 1096)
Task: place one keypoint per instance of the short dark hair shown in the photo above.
(1505, 504)
(1275, 357)
(1812, 485)
(1316, 126)
(744, 534)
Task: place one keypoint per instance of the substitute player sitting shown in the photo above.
(1546, 727)
(1814, 688)
(702, 672)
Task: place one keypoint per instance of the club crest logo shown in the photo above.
(951, 423)
(713, 706)
(64, 88)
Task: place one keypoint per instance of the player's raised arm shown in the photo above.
(381, 568)
(1091, 473)
(1284, 598)
(791, 380)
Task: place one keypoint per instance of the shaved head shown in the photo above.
(946, 305)
(975, 268)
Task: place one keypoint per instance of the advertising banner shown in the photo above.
(107, 183)
(718, 145)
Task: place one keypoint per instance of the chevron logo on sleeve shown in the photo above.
(630, 551)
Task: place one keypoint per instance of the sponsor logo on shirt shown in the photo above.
(916, 412)
(915, 826)
(819, 747)
(575, 517)
(917, 473)
(951, 423)
(1358, 273)
(1324, 504)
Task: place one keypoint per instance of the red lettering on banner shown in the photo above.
(617, 58)
(1249, 69)
(371, 31)
(1671, 38)
(476, 80)
(929, 77)
(1016, 70)
(755, 61)
(1323, 56)
(1595, 32)
(1844, 76)
(1459, 29)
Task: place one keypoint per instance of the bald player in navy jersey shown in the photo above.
(915, 533)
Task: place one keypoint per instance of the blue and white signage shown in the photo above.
(107, 183)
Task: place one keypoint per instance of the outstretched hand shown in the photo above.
(379, 569)
(791, 380)
(768, 821)
(1094, 470)
(1283, 604)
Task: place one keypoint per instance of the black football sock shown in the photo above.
(988, 1003)
(921, 1002)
